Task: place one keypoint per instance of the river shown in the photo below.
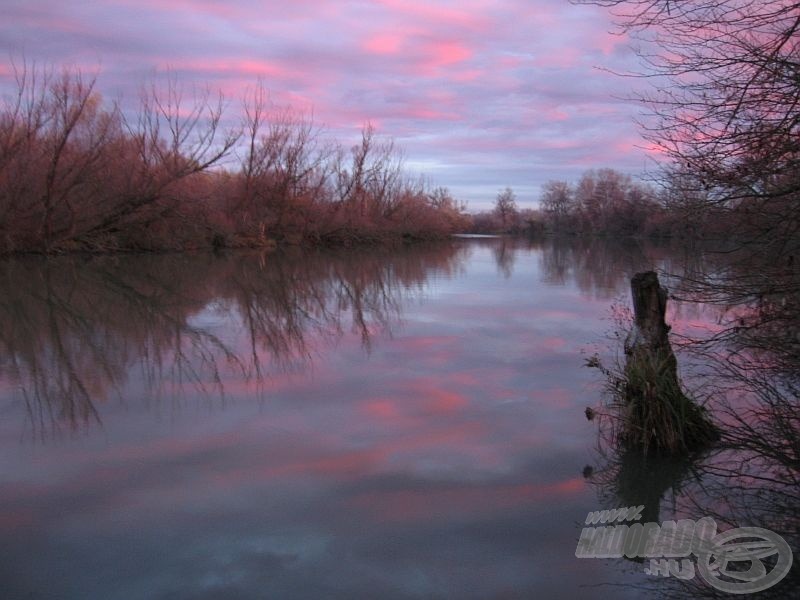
(391, 423)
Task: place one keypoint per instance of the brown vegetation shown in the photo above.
(79, 173)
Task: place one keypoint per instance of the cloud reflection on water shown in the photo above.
(401, 424)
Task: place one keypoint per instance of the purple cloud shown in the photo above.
(480, 94)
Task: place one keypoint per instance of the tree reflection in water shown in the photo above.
(78, 336)
(72, 329)
(747, 368)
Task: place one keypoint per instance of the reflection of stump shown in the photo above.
(658, 413)
(645, 480)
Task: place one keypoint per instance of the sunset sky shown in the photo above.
(480, 94)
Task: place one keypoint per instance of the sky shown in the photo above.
(479, 94)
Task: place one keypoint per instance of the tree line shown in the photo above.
(601, 202)
(608, 202)
(78, 172)
(605, 201)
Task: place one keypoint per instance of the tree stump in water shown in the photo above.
(658, 415)
(649, 338)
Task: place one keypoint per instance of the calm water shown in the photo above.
(361, 424)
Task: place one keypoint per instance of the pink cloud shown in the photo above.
(448, 53)
(425, 113)
(440, 54)
(552, 344)
(355, 464)
(421, 342)
(608, 42)
(444, 402)
(523, 99)
(382, 409)
(245, 68)
(386, 43)
(557, 114)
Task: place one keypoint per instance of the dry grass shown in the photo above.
(648, 410)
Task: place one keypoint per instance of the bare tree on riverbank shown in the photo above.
(79, 173)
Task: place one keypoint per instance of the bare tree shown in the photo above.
(284, 163)
(505, 209)
(53, 140)
(557, 201)
(725, 106)
(374, 174)
(77, 173)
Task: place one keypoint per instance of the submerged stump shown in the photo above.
(658, 415)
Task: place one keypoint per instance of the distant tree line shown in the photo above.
(506, 217)
(602, 202)
(81, 173)
(607, 202)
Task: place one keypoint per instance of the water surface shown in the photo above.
(402, 423)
